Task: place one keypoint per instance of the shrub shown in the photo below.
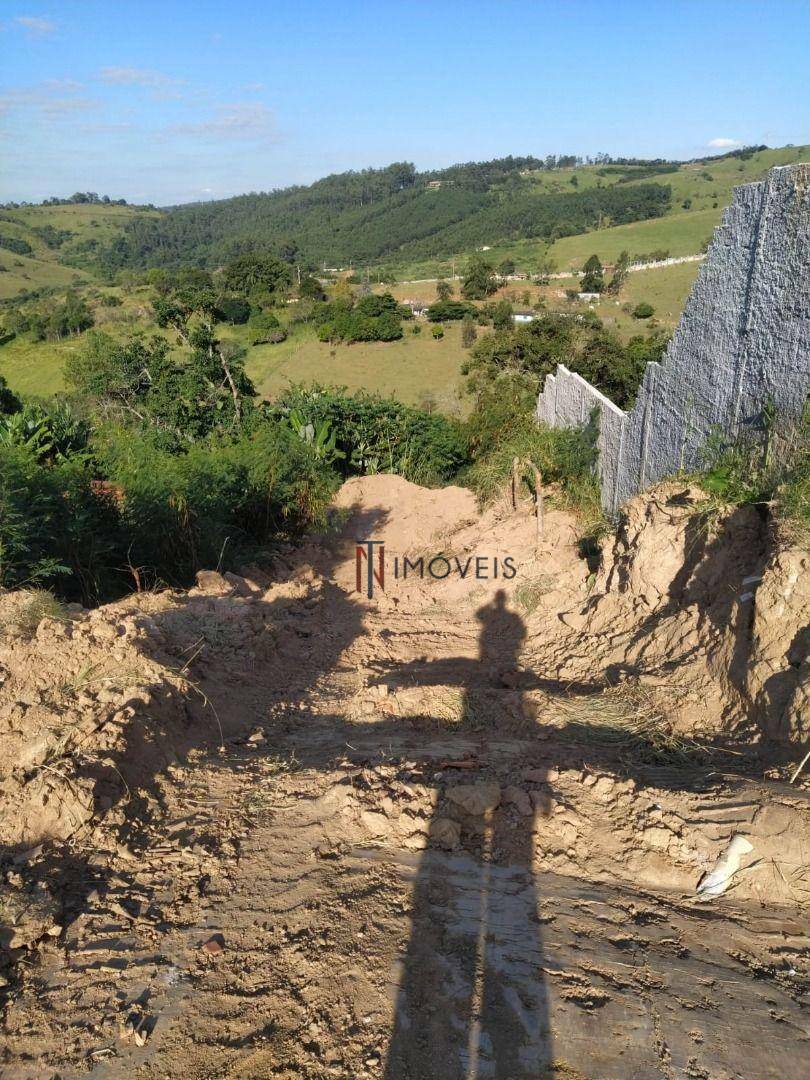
(19, 247)
(502, 427)
(449, 310)
(233, 309)
(380, 435)
(372, 318)
(263, 320)
(643, 310)
(274, 337)
(266, 329)
(56, 527)
(770, 466)
(437, 330)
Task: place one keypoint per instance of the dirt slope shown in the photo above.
(270, 828)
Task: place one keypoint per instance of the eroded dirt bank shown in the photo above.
(269, 828)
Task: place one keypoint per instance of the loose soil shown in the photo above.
(273, 828)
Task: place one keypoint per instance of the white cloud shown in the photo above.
(723, 144)
(147, 78)
(241, 120)
(35, 26)
(52, 98)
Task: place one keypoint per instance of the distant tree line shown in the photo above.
(77, 197)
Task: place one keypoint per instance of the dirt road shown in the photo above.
(412, 857)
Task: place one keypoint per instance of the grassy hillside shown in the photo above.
(63, 241)
(393, 219)
(682, 231)
(417, 365)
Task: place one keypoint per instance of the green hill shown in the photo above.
(409, 221)
(413, 224)
(58, 245)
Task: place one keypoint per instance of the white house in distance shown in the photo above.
(523, 315)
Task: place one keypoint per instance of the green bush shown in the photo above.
(19, 247)
(643, 310)
(58, 527)
(449, 310)
(233, 309)
(372, 318)
(266, 329)
(769, 466)
(134, 514)
(502, 427)
(380, 435)
(216, 504)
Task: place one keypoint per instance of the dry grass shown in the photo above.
(529, 593)
(31, 608)
(634, 720)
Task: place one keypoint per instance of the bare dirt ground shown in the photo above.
(271, 828)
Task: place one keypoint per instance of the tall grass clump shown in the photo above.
(769, 466)
(502, 427)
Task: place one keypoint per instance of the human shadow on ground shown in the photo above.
(472, 998)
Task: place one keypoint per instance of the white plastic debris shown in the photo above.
(717, 880)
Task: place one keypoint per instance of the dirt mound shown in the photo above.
(712, 605)
(411, 518)
(257, 827)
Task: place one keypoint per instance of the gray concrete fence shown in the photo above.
(743, 341)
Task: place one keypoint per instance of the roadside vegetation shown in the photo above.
(769, 467)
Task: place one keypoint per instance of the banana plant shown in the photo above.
(320, 437)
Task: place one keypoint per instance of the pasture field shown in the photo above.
(415, 370)
(45, 267)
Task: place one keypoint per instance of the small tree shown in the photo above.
(309, 288)
(444, 290)
(506, 268)
(9, 402)
(468, 332)
(619, 274)
(437, 330)
(593, 279)
(479, 282)
(503, 315)
(643, 310)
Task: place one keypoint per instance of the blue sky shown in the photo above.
(178, 101)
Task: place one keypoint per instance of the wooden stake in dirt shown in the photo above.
(519, 465)
(538, 498)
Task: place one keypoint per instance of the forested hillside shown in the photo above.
(378, 214)
(528, 210)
